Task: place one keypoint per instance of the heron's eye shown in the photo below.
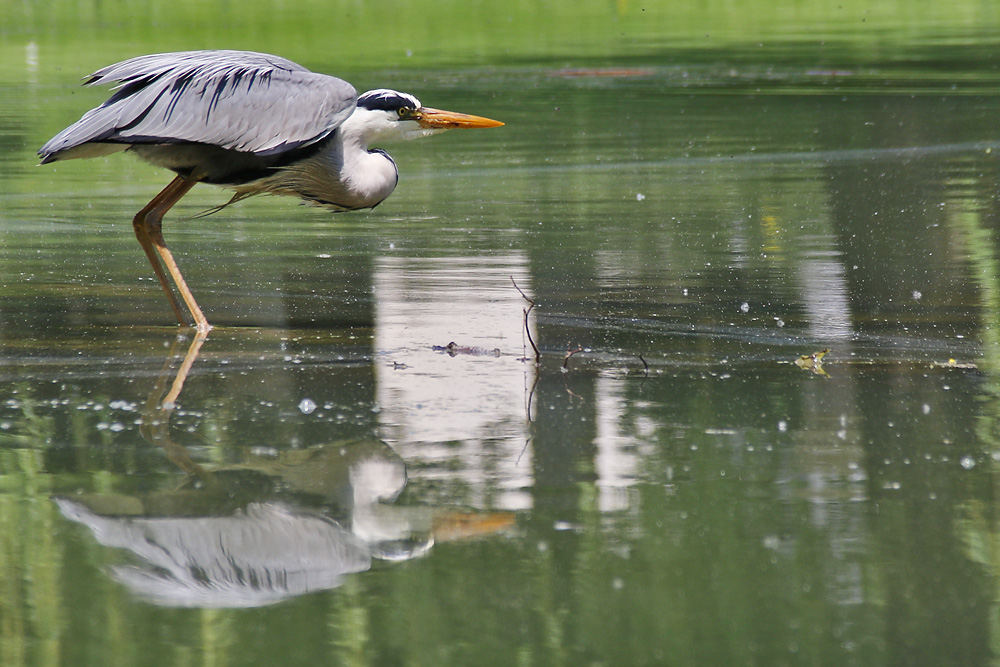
(405, 112)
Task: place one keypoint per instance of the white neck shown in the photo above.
(368, 175)
(344, 176)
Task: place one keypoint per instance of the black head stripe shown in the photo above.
(387, 100)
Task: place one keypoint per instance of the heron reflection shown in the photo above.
(269, 528)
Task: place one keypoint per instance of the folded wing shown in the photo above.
(236, 100)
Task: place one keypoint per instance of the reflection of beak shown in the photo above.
(452, 526)
(446, 120)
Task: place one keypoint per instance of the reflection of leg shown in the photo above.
(155, 428)
(148, 229)
(182, 373)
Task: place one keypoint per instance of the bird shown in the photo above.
(251, 122)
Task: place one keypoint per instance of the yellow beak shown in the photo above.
(446, 120)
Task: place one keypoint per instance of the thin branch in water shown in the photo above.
(523, 450)
(573, 393)
(529, 394)
(570, 353)
(527, 329)
(521, 292)
(644, 364)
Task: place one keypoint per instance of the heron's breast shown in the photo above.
(360, 182)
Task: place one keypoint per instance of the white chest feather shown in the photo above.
(342, 176)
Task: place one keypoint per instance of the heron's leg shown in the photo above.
(150, 220)
(200, 321)
(142, 233)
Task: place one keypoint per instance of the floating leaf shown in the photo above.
(812, 362)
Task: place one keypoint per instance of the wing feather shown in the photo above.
(238, 100)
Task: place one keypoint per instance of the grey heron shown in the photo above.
(252, 122)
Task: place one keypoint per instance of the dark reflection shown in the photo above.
(277, 525)
(893, 221)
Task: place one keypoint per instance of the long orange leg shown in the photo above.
(142, 233)
(148, 229)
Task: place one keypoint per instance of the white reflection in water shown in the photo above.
(619, 441)
(460, 417)
(825, 296)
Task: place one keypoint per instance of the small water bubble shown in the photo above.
(640, 197)
(917, 295)
(307, 406)
(744, 307)
(782, 426)
(968, 462)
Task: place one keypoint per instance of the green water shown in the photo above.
(694, 197)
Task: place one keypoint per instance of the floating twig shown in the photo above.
(570, 353)
(571, 392)
(527, 329)
(529, 394)
(524, 449)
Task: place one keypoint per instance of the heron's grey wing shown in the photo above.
(238, 100)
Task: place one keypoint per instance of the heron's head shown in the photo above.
(385, 115)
